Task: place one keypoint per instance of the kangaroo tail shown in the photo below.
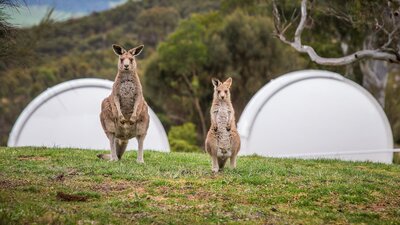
(120, 147)
(104, 156)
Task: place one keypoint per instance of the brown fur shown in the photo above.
(124, 114)
(223, 140)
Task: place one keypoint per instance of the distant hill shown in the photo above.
(32, 11)
(77, 5)
(52, 52)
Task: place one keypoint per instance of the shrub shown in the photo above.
(183, 138)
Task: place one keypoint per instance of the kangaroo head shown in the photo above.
(221, 90)
(127, 60)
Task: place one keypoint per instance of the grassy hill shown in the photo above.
(34, 59)
(179, 188)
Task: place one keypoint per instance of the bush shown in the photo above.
(183, 138)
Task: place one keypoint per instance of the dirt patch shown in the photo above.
(6, 184)
(201, 195)
(118, 186)
(158, 198)
(137, 191)
(389, 202)
(61, 177)
(32, 158)
(71, 197)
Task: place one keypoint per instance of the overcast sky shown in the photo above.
(33, 11)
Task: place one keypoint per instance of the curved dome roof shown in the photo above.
(67, 115)
(315, 113)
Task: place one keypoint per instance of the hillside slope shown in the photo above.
(68, 186)
(37, 58)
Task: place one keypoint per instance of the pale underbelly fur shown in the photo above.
(127, 101)
(223, 135)
(127, 94)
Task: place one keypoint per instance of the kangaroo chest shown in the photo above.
(222, 120)
(127, 95)
(222, 116)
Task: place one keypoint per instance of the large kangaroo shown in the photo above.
(222, 140)
(124, 114)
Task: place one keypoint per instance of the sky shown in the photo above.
(32, 11)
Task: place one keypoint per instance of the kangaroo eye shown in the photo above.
(226, 92)
(219, 92)
(122, 60)
(131, 60)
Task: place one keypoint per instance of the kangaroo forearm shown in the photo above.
(135, 109)
(214, 120)
(230, 119)
(117, 105)
(214, 116)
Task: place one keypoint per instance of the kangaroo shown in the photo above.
(124, 114)
(222, 140)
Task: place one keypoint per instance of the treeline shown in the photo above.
(186, 43)
(31, 60)
(214, 44)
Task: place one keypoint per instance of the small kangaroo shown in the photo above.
(124, 114)
(222, 140)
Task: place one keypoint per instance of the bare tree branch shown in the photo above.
(381, 53)
(340, 15)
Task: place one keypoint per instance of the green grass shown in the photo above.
(179, 188)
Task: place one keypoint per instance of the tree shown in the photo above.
(376, 24)
(250, 54)
(155, 23)
(389, 51)
(180, 58)
(7, 33)
(209, 45)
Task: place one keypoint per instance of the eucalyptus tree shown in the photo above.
(364, 31)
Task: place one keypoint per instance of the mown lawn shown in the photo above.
(179, 188)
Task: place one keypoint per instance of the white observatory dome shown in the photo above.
(315, 114)
(67, 115)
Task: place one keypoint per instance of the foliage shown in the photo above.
(33, 59)
(392, 104)
(214, 44)
(179, 188)
(155, 23)
(338, 28)
(186, 43)
(183, 138)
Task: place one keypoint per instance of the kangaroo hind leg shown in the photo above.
(140, 140)
(113, 156)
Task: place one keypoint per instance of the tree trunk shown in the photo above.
(375, 75)
(197, 106)
(201, 116)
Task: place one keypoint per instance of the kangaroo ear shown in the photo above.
(215, 82)
(118, 49)
(137, 50)
(228, 82)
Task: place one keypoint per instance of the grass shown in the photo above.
(179, 188)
